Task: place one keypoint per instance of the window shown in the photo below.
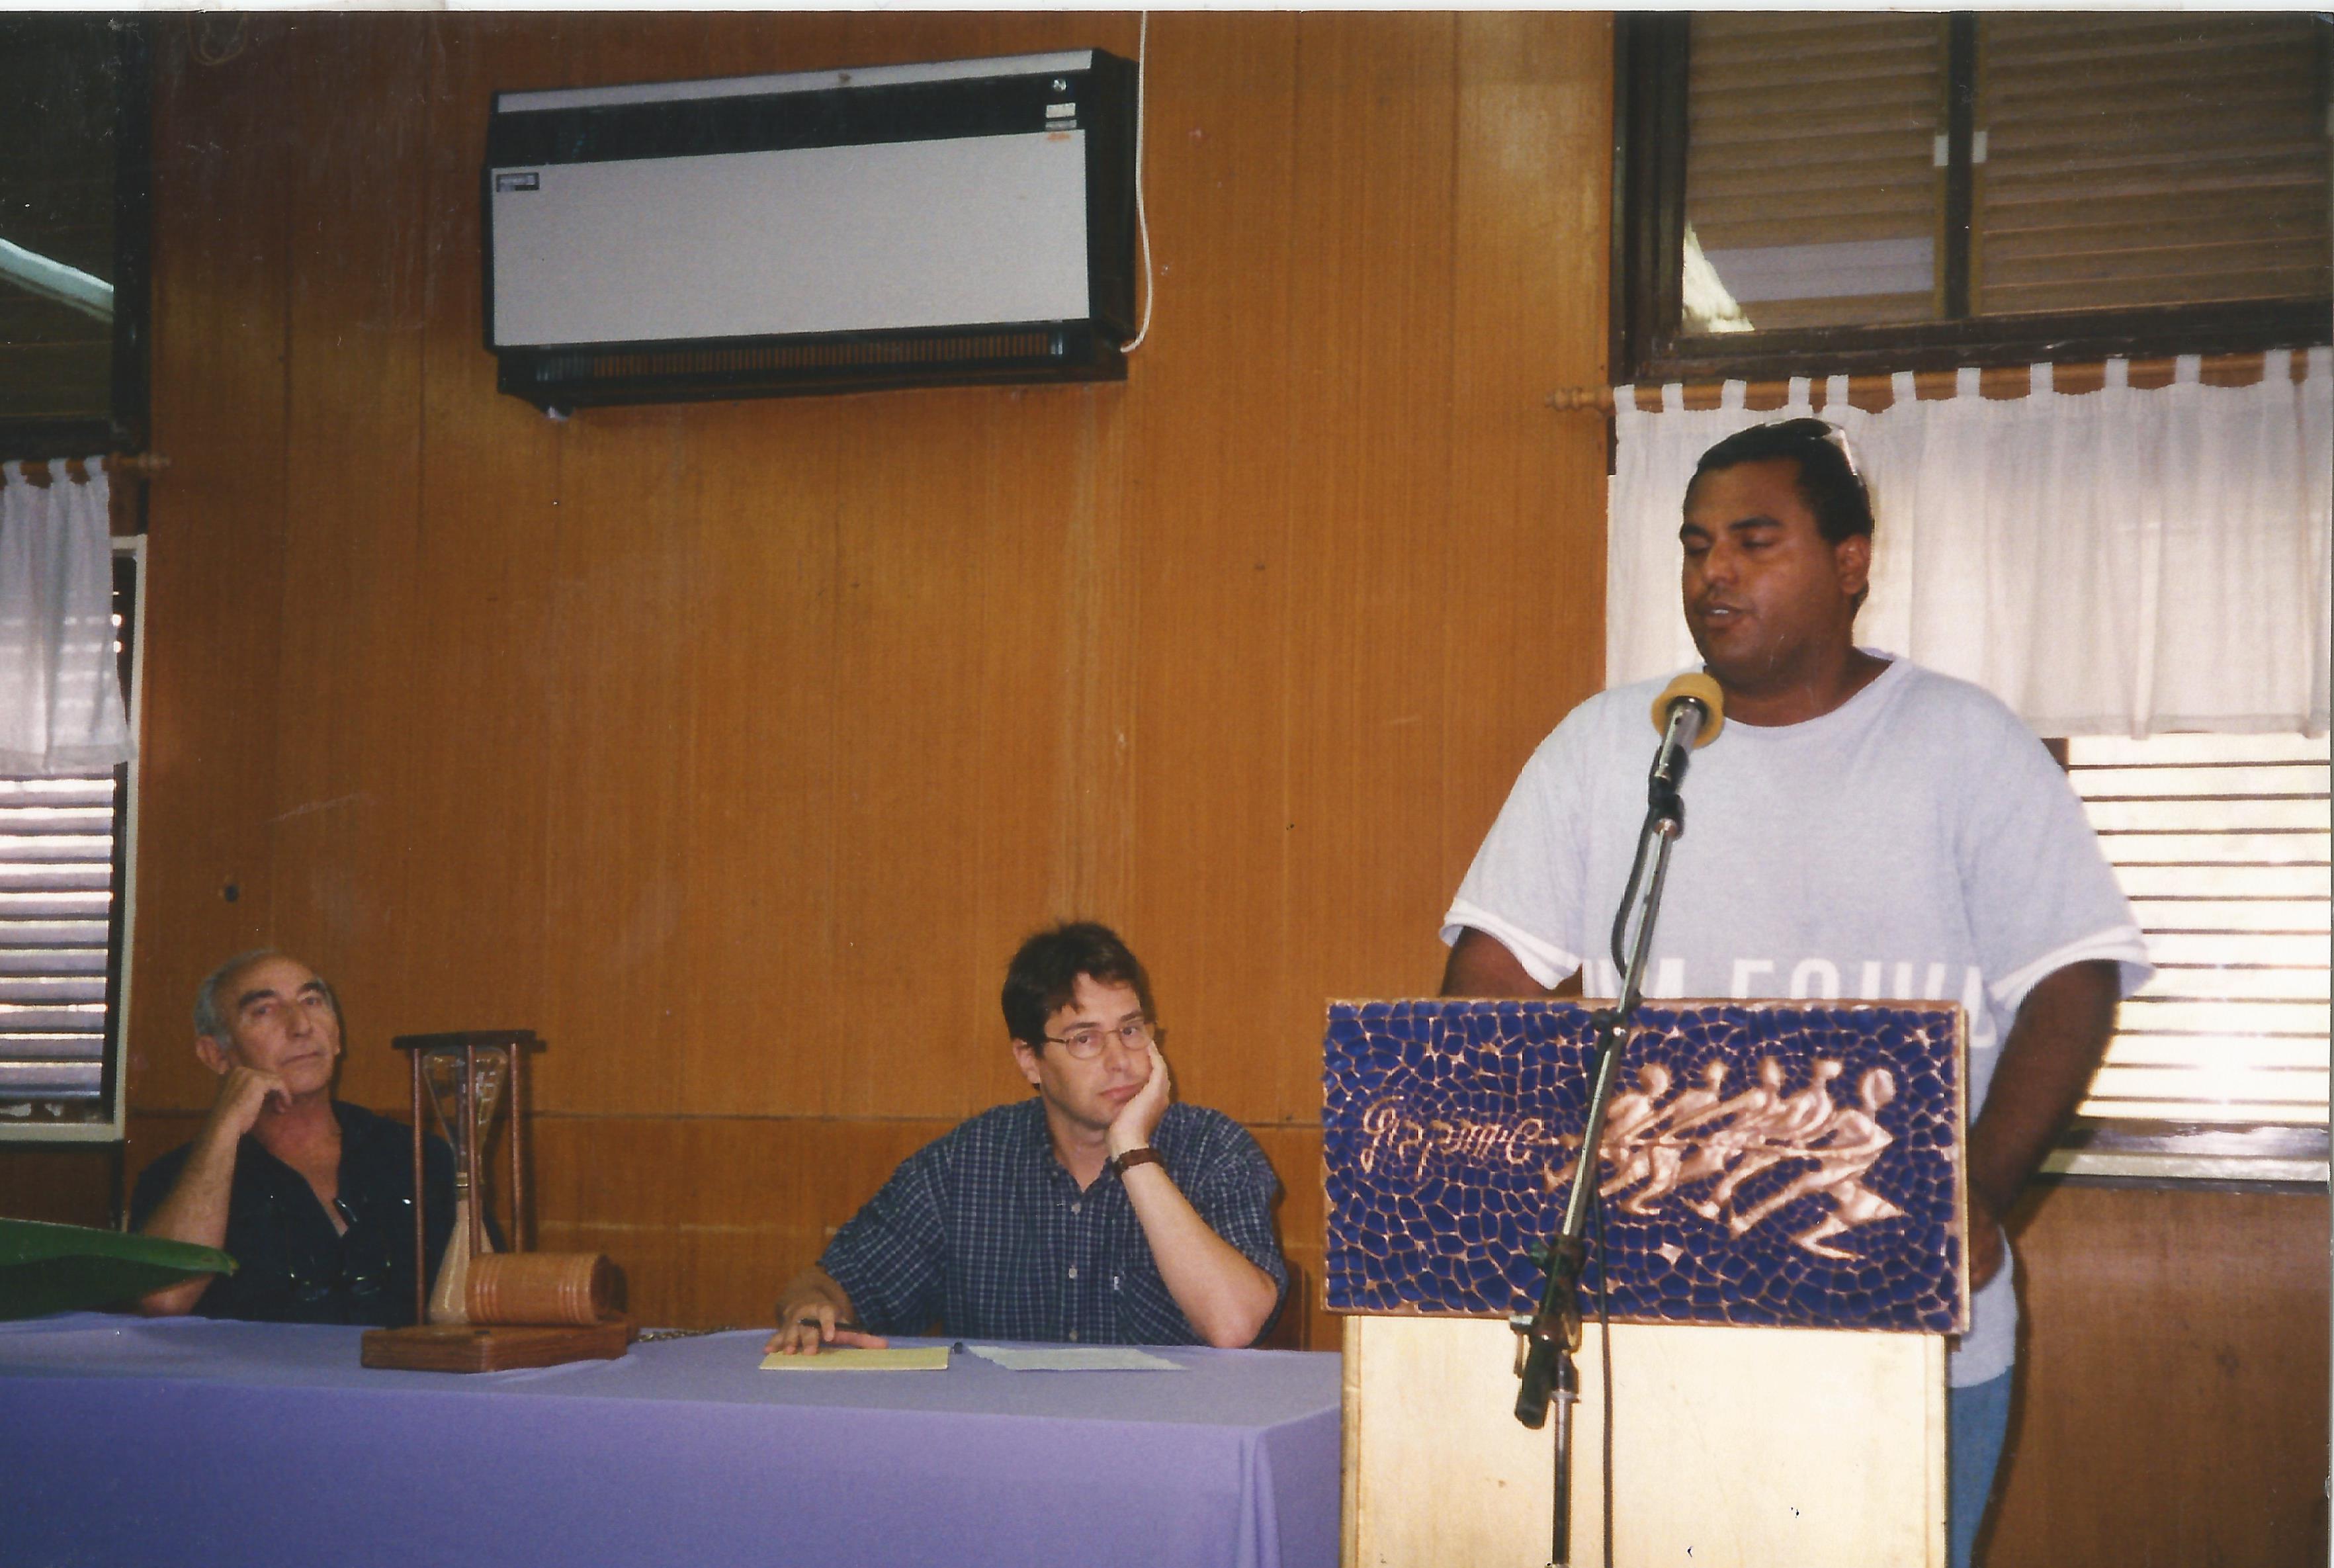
(1823, 192)
(73, 235)
(2219, 1067)
(64, 925)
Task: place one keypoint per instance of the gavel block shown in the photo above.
(525, 1309)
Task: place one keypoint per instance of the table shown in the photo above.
(187, 1441)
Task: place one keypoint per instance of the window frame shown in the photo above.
(122, 909)
(1650, 121)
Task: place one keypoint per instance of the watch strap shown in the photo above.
(1145, 1155)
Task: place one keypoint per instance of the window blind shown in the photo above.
(1812, 186)
(2150, 160)
(56, 893)
(63, 874)
(2222, 844)
(2116, 162)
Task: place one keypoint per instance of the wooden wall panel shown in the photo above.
(625, 564)
(758, 823)
(1526, 550)
(215, 544)
(59, 1184)
(919, 517)
(344, 719)
(2172, 1395)
(1210, 397)
(710, 1217)
(481, 665)
(1369, 450)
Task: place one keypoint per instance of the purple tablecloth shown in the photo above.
(189, 1442)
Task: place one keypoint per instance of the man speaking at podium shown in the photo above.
(1861, 828)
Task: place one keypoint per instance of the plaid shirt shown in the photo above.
(983, 1230)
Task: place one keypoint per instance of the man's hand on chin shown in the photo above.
(244, 1094)
(1136, 1121)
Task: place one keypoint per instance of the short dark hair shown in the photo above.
(1835, 492)
(1044, 974)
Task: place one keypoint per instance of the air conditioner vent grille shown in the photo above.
(601, 374)
(570, 369)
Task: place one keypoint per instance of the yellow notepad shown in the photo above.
(920, 1358)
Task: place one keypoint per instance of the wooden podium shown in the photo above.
(1783, 1209)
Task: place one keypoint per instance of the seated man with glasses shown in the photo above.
(311, 1196)
(1095, 1213)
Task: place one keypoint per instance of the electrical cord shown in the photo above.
(1605, 1361)
(1597, 1199)
(1142, 222)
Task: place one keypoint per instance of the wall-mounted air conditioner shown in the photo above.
(836, 230)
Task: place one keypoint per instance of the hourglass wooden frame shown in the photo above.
(513, 1044)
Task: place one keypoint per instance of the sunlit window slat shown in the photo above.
(2221, 842)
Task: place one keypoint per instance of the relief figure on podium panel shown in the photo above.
(1844, 1150)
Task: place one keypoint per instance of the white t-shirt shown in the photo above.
(1917, 842)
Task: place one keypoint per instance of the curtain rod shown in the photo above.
(1874, 393)
(39, 474)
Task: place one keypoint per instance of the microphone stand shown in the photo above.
(1551, 1333)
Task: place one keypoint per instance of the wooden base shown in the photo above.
(1733, 1448)
(467, 1347)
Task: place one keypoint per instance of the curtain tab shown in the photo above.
(2037, 378)
(2118, 375)
(2320, 361)
(1795, 392)
(1624, 401)
(1901, 392)
(1835, 395)
(2188, 369)
(1731, 395)
(1673, 398)
(1969, 381)
(2277, 365)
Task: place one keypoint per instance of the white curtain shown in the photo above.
(60, 688)
(2112, 563)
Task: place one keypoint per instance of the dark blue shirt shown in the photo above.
(292, 1266)
(983, 1231)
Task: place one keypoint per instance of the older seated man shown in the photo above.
(1095, 1212)
(311, 1196)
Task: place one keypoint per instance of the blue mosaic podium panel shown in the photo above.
(1778, 1164)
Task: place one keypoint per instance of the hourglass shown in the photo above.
(467, 1076)
(491, 1312)
(464, 1080)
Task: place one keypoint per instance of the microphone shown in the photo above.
(1687, 715)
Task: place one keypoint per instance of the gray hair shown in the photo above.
(209, 1023)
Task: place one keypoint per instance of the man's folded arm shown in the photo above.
(1227, 1297)
(193, 1210)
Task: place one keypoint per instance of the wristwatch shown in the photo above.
(1145, 1155)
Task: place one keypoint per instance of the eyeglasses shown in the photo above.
(1830, 434)
(1135, 1034)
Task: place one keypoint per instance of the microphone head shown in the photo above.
(1702, 689)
